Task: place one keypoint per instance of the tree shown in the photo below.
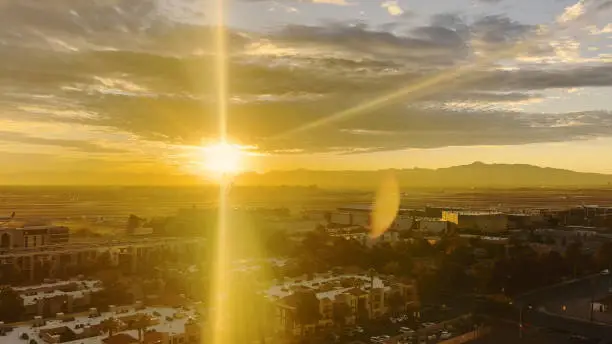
(103, 261)
(553, 267)
(396, 302)
(573, 254)
(362, 312)
(391, 268)
(141, 325)
(603, 256)
(307, 309)
(278, 244)
(110, 325)
(11, 305)
(339, 313)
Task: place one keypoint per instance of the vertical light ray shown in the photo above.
(221, 69)
(219, 323)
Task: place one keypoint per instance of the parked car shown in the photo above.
(427, 324)
(358, 329)
(406, 330)
(445, 335)
(349, 332)
(380, 339)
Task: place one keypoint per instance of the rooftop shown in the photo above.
(325, 286)
(31, 294)
(168, 320)
(476, 212)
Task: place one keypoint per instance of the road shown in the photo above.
(548, 311)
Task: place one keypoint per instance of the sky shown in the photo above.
(124, 91)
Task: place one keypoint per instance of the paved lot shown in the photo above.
(573, 299)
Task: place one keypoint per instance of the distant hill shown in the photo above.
(476, 175)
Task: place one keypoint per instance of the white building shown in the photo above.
(58, 297)
(164, 325)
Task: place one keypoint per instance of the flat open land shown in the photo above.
(113, 204)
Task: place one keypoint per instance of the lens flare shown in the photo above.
(219, 326)
(386, 205)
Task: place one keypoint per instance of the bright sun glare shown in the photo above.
(223, 158)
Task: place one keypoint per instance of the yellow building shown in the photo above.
(483, 221)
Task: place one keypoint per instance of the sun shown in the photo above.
(223, 158)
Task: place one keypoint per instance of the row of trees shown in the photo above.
(511, 269)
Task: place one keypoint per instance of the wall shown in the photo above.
(402, 223)
(340, 218)
(433, 226)
(483, 222)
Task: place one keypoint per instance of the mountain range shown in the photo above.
(475, 175)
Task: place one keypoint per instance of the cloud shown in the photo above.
(392, 6)
(326, 2)
(80, 145)
(110, 68)
(572, 12)
(331, 2)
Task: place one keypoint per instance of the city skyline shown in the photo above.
(127, 90)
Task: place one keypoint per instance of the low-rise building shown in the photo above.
(480, 221)
(402, 222)
(58, 297)
(434, 226)
(361, 295)
(158, 325)
(37, 263)
(32, 236)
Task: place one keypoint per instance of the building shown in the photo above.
(362, 295)
(51, 298)
(402, 223)
(587, 215)
(38, 263)
(436, 212)
(434, 226)
(343, 219)
(32, 236)
(478, 221)
(161, 326)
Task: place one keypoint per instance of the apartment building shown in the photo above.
(366, 296)
(37, 263)
(32, 236)
(58, 297)
(161, 326)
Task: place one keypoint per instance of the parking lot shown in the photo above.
(406, 329)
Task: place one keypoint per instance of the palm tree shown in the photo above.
(110, 325)
(141, 326)
(372, 273)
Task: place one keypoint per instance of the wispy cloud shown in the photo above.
(152, 80)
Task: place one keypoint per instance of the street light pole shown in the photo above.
(592, 300)
(521, 321)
